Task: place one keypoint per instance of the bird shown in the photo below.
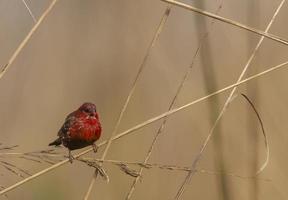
(81, 128)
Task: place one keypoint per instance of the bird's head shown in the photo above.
(89, 108)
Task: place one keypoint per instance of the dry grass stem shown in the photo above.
(195, 161)
(162, 126)
(98, 169)
(147, 122)
(29, 11)
(7, 147)
(43, 156)
(228, 21)
(26, 39)
(2, 187)
(14, 169)
(142, 66)
(125, 166)
(127, 170)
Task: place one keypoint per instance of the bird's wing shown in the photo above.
(69, 121)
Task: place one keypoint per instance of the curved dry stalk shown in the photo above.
(264, 165)
(228, 21)
(143, 64)
(141, 125)
(26, 39)
(175, 110)
(203, 147)
(162, 126)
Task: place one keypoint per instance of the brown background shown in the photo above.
(90, 50)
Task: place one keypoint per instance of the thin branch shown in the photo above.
(147, 122)
(228, 21)
(30, 12)
(26, 39)
(143, 64)
(162, 126)
(203, 147)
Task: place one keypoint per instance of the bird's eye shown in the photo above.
(86, 110)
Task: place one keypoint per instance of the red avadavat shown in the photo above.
(80, 129)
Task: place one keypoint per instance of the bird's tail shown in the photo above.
(57, 142)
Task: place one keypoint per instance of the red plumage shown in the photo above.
(80, 129)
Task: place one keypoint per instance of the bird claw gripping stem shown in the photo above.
(71, 158)
(95, 147)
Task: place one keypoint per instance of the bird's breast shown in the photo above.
(88, 129)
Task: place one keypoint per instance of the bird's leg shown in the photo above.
(95, 147)
(70, 157)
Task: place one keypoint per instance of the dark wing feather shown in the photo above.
(70, 119)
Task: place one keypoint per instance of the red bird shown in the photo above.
(80, 129)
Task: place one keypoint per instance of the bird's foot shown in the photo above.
(71, 158)
(95, 147)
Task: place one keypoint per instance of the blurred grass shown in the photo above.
(88, 50)
(211, 84)
(252, 91)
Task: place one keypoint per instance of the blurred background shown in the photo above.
(91, 51)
